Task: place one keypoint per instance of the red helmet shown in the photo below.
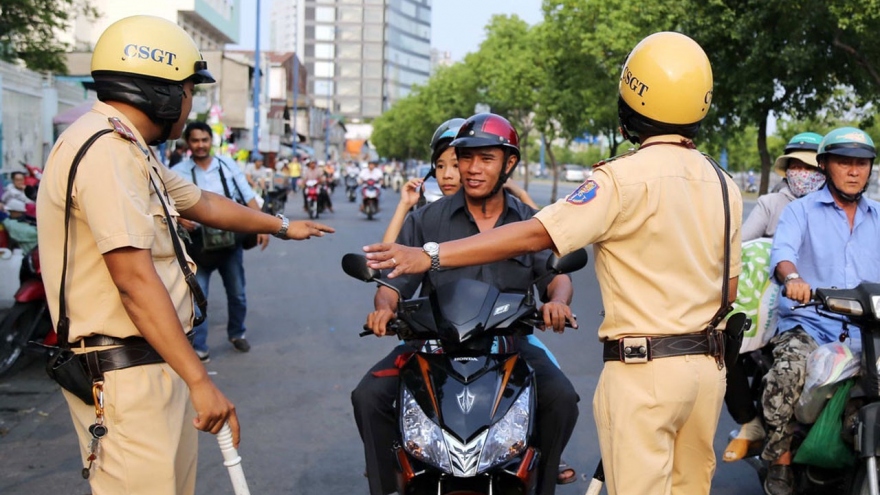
(487, 129)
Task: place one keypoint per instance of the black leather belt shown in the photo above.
(644, 349)
(132, 351)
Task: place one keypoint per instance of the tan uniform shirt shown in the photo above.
(656, 222)
(114, 206)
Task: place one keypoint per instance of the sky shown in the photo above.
(456, 25)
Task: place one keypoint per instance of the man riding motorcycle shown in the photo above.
(488, 151)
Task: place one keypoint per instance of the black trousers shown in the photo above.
(374, 412)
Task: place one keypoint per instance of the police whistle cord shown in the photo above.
(232, 461)
(597, 481)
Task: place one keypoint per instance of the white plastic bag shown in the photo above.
(757, 295)
(827, 366)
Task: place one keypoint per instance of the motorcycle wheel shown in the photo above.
(313, 210)
(17, 329)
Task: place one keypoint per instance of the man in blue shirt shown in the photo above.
(825, 239)
(209, 173)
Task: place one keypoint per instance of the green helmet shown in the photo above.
(805, 141)
(847, 141)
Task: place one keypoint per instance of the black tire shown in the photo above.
(313, 210)
(16, 330)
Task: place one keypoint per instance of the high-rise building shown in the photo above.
(361, 55)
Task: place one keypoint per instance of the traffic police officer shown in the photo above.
(655, 218)
(124, 282)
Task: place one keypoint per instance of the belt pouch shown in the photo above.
(67, 369)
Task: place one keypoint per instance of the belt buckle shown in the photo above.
(635, 350)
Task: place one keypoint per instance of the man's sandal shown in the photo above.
(566, 474)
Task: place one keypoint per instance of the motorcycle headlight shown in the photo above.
(422, 438)
(507, 438)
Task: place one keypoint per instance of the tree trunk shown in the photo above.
(613, 143)
(555, 187)
(764, 154)
(522, 150)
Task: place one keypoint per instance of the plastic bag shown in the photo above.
(828, 365)
(757, 295)
(824, 446)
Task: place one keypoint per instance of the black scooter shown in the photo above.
(858, 307)
(466, 413)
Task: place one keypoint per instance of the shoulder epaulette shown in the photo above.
(124, 131)
(629, 152)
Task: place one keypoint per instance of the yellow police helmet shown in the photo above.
(668, 79)
(149, 46)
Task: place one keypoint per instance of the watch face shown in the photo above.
(431, 247)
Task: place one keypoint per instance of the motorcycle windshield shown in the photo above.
(464, 309)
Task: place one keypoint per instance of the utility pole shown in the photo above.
(257, 70)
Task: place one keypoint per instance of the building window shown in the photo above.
(349, 69)
(372, 15)
(350, 50)
(325, 33)
(322, 50)
(351, 14)
(349, 88)
(324, 69)
(372, 108)
(350, 107)
(373, 32)
(372, 69)
(325, 14)
(372, 51)
(350, 33)
(323, 87)
(373, 88)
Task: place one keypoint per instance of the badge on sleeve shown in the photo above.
(584, 193)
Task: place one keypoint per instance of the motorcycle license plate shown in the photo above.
(371, 194)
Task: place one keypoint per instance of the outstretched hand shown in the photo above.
(401, 260)
(409, 194)
(304, 229)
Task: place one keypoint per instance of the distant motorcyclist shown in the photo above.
(313, 172)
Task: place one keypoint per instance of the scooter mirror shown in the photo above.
(571, 262)
(355, 266)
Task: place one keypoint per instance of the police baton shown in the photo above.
(597, 481)
(232, 461)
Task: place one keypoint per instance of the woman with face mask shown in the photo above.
(801, 176)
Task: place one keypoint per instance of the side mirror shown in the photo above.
(355, 266)
(571, 262)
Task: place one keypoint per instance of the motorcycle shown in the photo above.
(29, 319)
(351, 185)
(858, 307)
(370, 192)
(466, 410)
(313, 198)
(275, 201)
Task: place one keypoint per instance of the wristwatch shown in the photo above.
(789, 277)
(432, 249)
(282, 232)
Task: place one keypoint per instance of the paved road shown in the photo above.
(292, 390)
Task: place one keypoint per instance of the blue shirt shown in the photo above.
(209, 179)
(814, 234)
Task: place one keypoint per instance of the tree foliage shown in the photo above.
(810, 64)
(28, 31)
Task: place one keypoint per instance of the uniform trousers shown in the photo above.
(151, 445)
(374, 398)
(656, 423)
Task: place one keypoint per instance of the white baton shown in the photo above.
(232, 461)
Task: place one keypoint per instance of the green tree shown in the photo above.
(28, 30)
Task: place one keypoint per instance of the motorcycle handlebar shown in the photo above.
(390, 329)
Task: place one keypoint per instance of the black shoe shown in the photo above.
(779, 480)
(240, 344)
